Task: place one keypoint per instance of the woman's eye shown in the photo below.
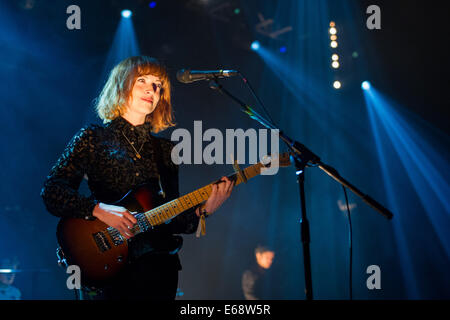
(141, 80)
(156, 86)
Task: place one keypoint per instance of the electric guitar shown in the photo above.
(101, 251)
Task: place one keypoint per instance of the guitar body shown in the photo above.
(96, 248)
(77, 239)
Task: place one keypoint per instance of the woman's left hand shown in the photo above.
(220, 192)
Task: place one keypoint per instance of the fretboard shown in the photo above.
(170, 210)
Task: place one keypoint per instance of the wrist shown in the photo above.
(97, 211)
(203, 210)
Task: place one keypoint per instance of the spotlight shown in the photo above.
(334, 44)
(255, 45)
(152, 4)
(237, 11)
(333, 37)
(337, 84)
(332, 24)
(335, 64)
(335, 57)
(333, 30)
(365, 85)
(283, 49)
(126, 13)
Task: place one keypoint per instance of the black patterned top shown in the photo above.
(105, 157)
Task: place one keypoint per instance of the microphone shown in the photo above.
(188, 76)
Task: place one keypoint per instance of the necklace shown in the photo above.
(138, 155)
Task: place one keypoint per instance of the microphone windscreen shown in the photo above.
(183, 76)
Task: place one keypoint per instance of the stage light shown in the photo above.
(126, 13)
(335, 57)
(237, 11)
(335, 64)
(337, 84)
(365, 85)
(6, 270)
(152, 4)
(333, 30)
(334, 44)
(333, 37)
(255, 45)
(283, 49)
(332, 24)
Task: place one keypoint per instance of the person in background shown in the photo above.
(254, 278)
(7, 277)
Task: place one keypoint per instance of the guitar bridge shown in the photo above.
(101, 241)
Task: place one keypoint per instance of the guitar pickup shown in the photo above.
(115, 236)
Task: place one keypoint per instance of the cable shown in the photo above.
(257, 98)
(350, 243)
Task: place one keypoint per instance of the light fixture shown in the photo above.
(337, 84)
(255, 45)
(126, 13)
(365, 85)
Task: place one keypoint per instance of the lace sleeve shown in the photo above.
(60, 190)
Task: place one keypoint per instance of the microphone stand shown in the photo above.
(303, 157)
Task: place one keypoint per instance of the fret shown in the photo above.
(153, 220)
(204, 192)
(163, 213)
(190, 196)
(180, 205)
(157, 216)
(172, 206)
(185, 206)
(195, 196)
(191, 202)
(169, 212)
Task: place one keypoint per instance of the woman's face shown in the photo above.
(145, 94)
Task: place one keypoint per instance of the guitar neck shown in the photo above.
(173, 208)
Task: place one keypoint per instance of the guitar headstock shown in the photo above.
(285, 159)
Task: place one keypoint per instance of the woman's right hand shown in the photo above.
(117, 217)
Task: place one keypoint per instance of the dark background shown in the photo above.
(50, 76)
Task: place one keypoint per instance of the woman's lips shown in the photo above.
(148, 100)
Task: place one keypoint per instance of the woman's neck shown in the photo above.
(134, 118)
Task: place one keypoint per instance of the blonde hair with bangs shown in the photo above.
(112, 101)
